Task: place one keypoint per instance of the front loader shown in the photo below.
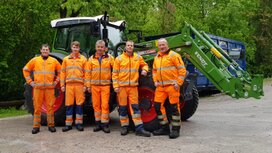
(196, 46)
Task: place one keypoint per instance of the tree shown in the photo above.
(263, 38)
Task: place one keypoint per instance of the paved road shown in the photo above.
(220, 125)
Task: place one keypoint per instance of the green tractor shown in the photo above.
(197, 47)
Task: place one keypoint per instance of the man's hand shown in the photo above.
(176, 86)
(63, 89)
(156, 84)
(32, 84)
(116, 90)
(55, 83)
(144, 73)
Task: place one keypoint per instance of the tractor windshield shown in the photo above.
(82, 33)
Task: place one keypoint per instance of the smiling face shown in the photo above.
(163, 45)
(129, 47)
(45, 51)
(100, 47)
(75, 49)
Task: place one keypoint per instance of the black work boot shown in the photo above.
(52, 129)
(97, 126)
(106, 128)
(163, 130)
(174, 134)
(124, 130)
(35, 130)
(79, 127)
(142, 132)
(67, 128)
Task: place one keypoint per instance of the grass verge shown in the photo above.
(11, 112)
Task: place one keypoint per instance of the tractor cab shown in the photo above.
(86, 30)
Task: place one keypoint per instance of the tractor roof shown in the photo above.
(74, 20)
(80, 20)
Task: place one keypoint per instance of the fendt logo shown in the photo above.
(203, 62)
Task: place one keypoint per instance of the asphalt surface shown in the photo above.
(220, 125)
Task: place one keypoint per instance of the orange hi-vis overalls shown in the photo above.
(98, 78)
(125, 76)
(72, 76)
(168, 69)
(46, 76)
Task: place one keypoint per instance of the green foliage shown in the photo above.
(263, 37)
(25, 26)
(11, 112)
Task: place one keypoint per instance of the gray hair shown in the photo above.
(163, 40)
(130, 41)
(100, 42)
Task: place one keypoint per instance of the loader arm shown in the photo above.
(212, 61)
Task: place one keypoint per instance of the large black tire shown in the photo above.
(147, 83)
(59, 115)
(188, 108)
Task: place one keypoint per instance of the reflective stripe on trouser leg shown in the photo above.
(160, 97)
(105, 97)
(123, 116)
(97, 116)
(122, 100)
(38, 98)
(134, 107)
(49, 100)
(136, 116)
(79, 114)
(105, 118)
(96, 101)
(176, 121)
(69, 115)
(160, 110)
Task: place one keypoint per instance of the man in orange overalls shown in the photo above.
(168, 76)
(46, 71)
(98, 81)
(72, 83)
(125, 77)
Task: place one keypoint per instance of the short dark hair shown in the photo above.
(76, 43)
(45, 45)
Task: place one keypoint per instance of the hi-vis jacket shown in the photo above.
(45, 72)
(72, 69)
(168, 69)
(126, 70)
(98, 72)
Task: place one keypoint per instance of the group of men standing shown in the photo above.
(95, 75)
